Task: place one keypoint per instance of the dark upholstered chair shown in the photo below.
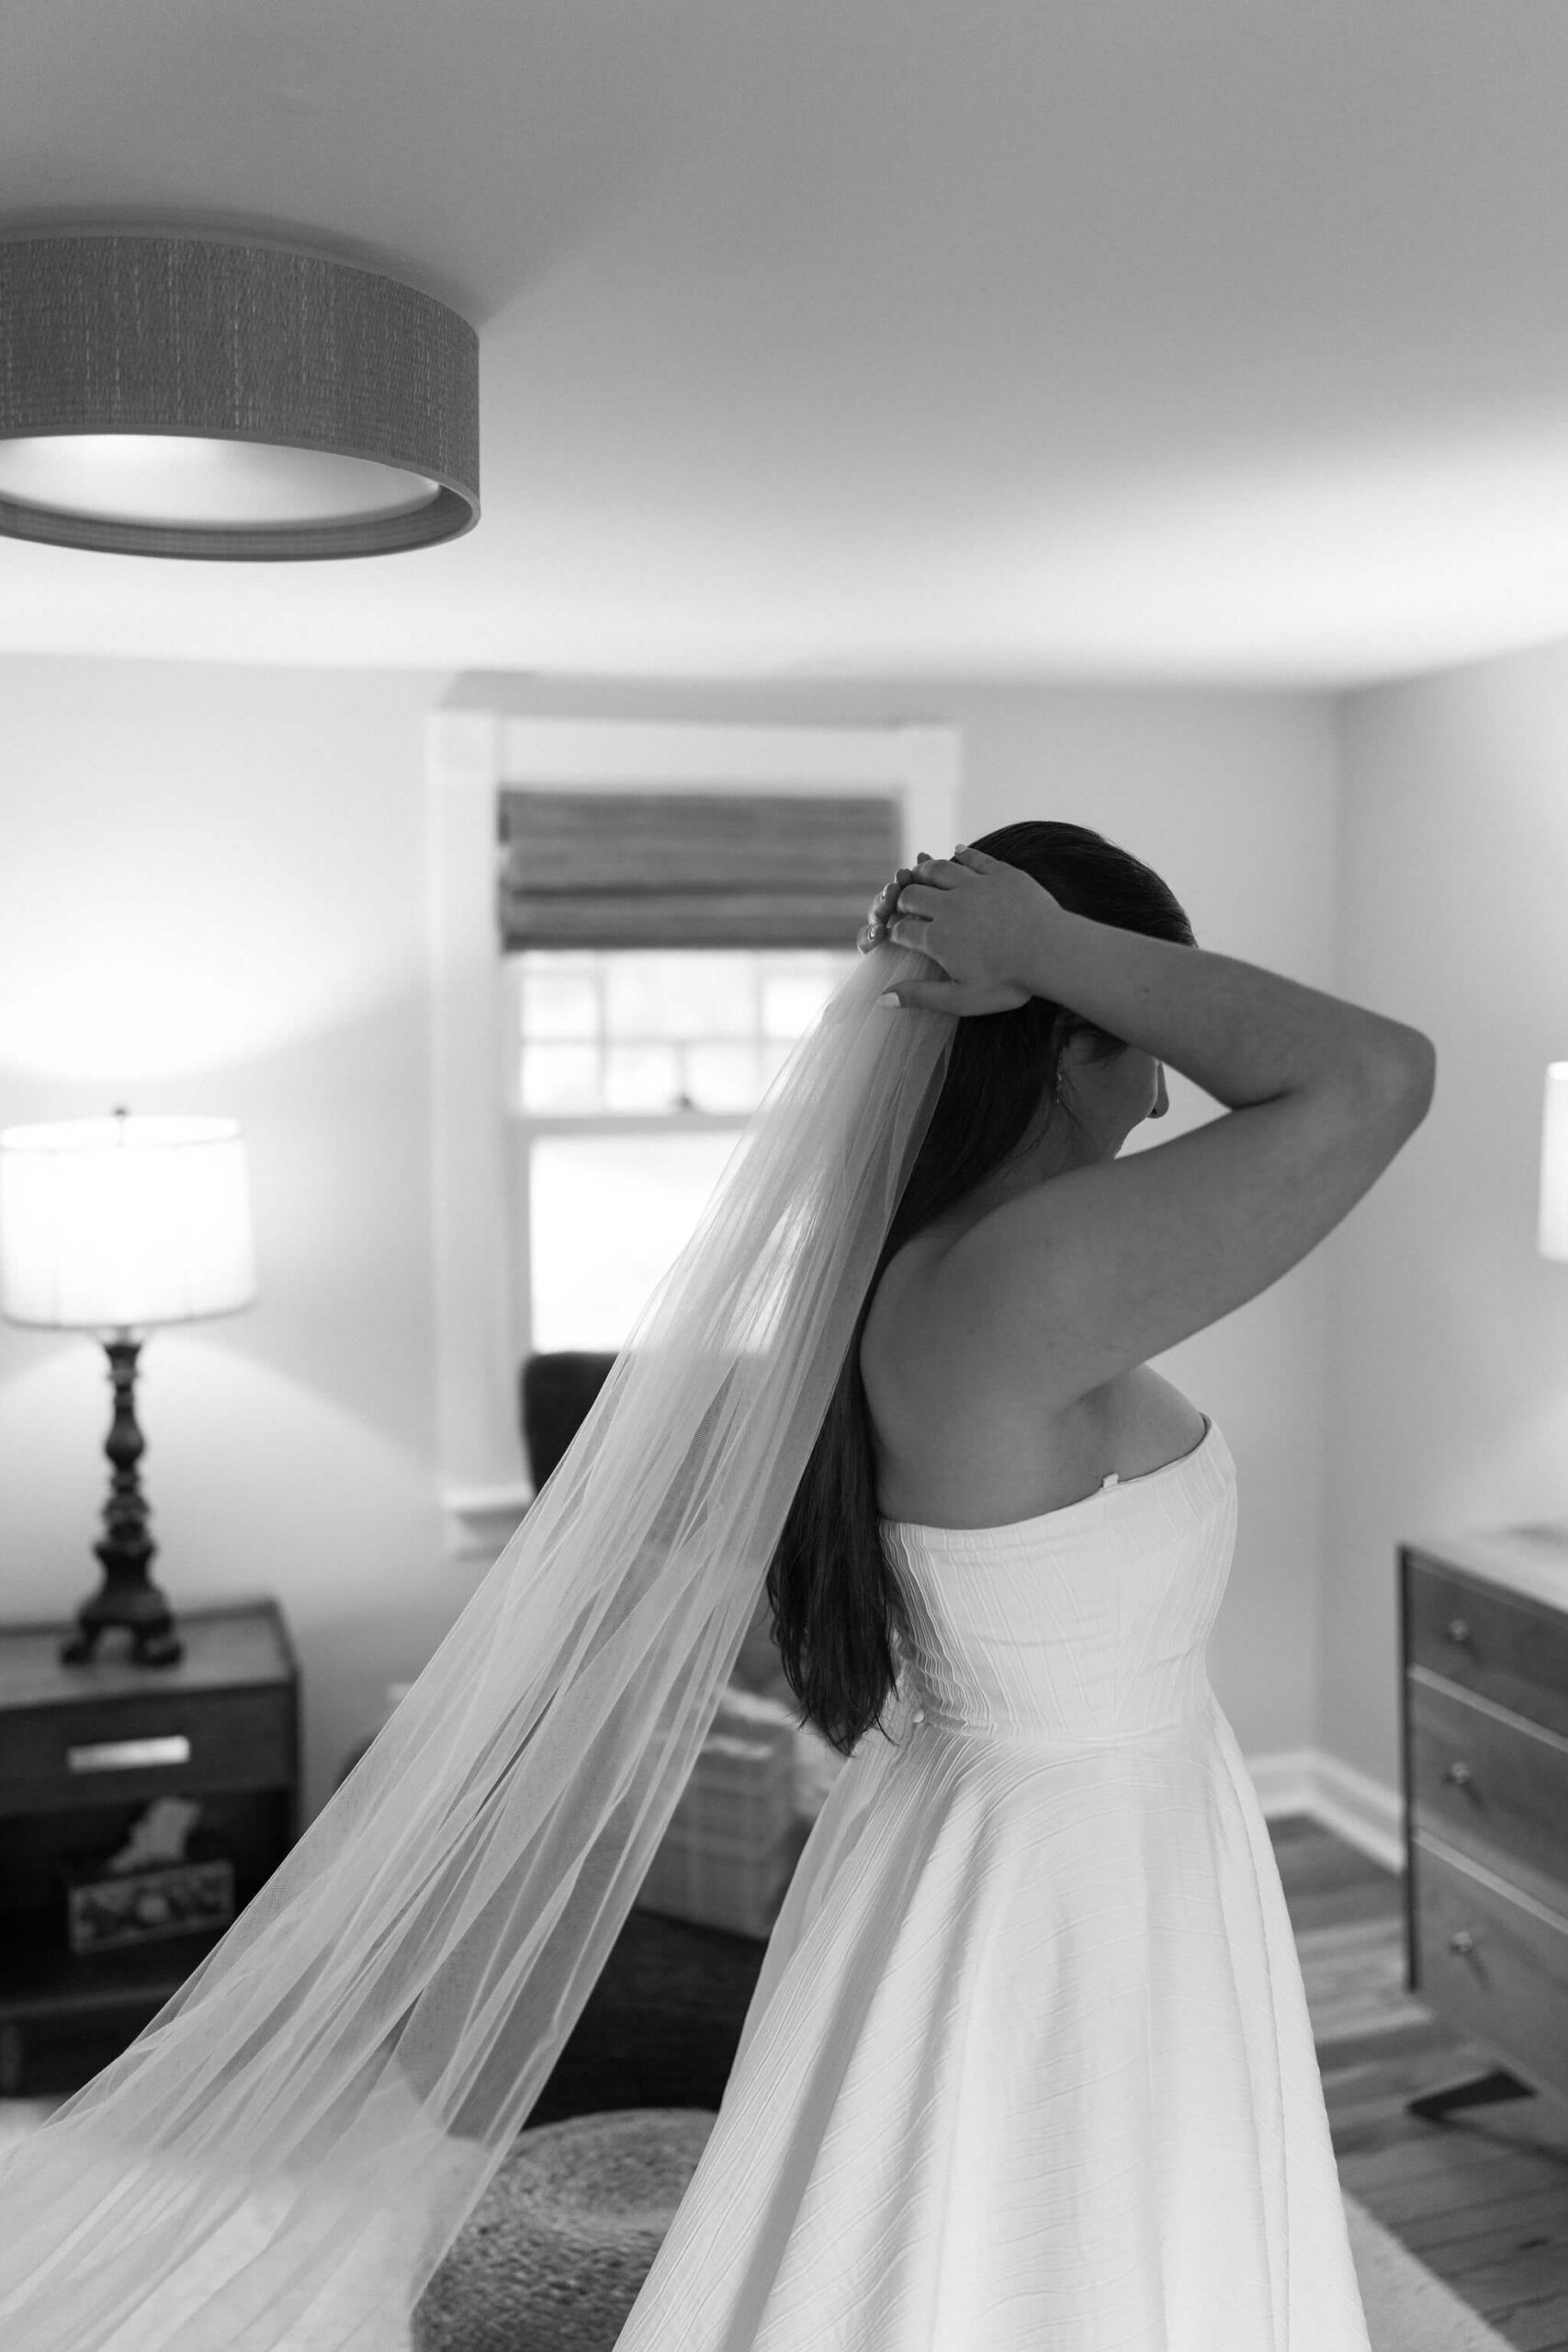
(556, 1391)
(662, 2023)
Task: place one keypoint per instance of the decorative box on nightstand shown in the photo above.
(85, 1752)
(1484, 1638)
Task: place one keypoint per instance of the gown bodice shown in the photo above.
(1083, 1625)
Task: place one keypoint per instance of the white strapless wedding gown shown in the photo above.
(1028, 2066)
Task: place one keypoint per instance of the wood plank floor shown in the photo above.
(1481, 2197)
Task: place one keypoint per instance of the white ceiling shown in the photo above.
(1189, 339)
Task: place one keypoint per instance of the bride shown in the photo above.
(1029, 2060)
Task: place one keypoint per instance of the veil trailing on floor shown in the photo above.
(299, 2135)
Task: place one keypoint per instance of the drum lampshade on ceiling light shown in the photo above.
(202, 396)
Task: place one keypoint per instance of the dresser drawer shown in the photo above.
(1494, 1786)
(1493, 1963)
(1511, 1650)
(95, 1751)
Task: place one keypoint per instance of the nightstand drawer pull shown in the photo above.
(126, 1755)
(1457, 1630)
(1457, 1773)
(1462, 1941)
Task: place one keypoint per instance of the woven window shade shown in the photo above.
(692, 869)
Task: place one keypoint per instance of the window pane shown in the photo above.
(562, 1078)
(792, 999)
(643, 1077)
(680, 993)
(678, 999)
(610, 1213)
(560, 995)
(723, 1078)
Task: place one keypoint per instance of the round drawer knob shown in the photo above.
(1462, 1941)
(1457, 1773)
(1457, 1630)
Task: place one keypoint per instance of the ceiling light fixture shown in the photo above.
(206, 396)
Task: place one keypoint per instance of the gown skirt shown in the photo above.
(1029, 2065)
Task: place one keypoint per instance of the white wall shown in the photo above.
(1447, 1339)
(212, 899)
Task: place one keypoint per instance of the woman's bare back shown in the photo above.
(958, 1444)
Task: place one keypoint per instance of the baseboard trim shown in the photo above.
(1365, 1813)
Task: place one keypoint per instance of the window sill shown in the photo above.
(482, 1520)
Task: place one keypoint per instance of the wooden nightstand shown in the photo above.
(1484, 1635)
(82, 1751)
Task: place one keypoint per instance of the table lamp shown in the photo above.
(115, 1225)
(1551, 1237)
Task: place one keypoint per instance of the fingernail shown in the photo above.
(887, 997)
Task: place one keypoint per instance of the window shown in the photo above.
(633, 1073)
(479, 757)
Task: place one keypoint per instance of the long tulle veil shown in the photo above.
(296, 2138)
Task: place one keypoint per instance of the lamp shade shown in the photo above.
(1552, 1239)
(119, 1223)
(205, 396)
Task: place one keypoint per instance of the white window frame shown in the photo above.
(471, 756)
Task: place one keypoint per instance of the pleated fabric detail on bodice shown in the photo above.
(1089, 1623)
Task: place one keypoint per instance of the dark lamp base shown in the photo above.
(144, 1612)
(128, 1595)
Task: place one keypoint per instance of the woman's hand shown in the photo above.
(873, 930)
(983, 921)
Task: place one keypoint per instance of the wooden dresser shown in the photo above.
(1484, 1638)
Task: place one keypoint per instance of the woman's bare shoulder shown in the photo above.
(961, 1437)
(957, 1436)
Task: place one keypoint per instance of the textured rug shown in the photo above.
(1407, 2309)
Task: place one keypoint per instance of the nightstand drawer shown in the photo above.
(1493, 1963)
(97, 1752)
(1495, 1786)
(1511, 1650)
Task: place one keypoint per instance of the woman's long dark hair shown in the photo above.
(831, 1586)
